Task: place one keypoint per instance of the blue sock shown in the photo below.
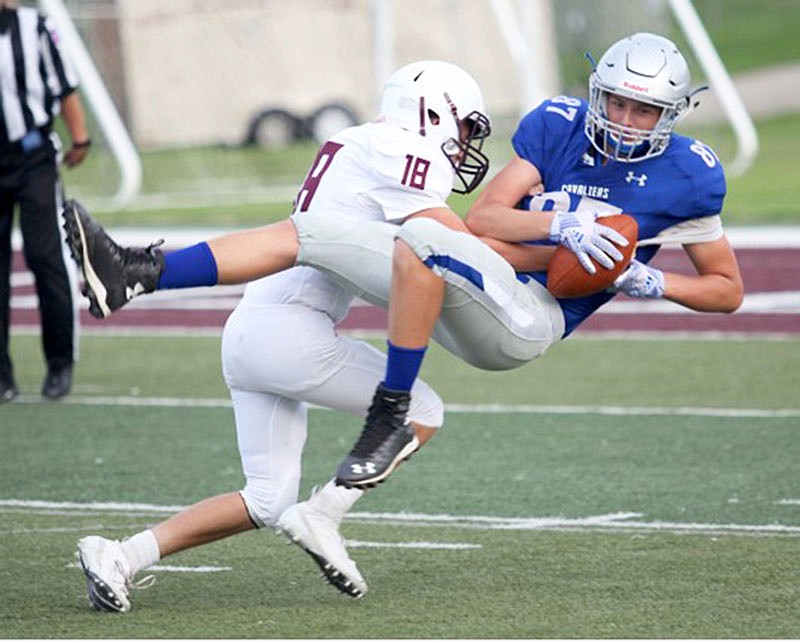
(402, 367)
(190, 267)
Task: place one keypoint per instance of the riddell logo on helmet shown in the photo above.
(630, 85)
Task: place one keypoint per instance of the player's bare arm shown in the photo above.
(523, 258)
(494, 214)
(717, 286)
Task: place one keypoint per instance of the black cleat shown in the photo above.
(112, 275)
(385, 441)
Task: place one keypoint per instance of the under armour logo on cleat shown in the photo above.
(137, 289)
(366, 468)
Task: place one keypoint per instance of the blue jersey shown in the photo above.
(684, 182)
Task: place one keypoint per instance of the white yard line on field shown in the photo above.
(618, 410)
(464, 408)
(202, 569)
(413, 545)
(617, 521)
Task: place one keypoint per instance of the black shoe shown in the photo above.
(57, 383)
(385, 441)
(8, 390)
(112, 275)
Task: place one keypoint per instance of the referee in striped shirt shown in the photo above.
(36, 84)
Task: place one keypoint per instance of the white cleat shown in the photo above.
(318, 535)
(108, 575)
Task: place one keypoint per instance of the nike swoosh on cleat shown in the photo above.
(95, 284)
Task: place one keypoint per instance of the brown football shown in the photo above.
(566, 278)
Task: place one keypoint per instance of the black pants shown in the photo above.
(31, 180)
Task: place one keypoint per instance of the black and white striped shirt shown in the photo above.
(34, 76)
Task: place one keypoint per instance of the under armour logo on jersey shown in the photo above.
(367, 468)
(640, 180)
(587, 159)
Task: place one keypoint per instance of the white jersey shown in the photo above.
(373, 172)
(362, 181)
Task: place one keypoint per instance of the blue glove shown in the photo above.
(640, 281)
(583, 236)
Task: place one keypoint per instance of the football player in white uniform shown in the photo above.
(368, 185)
(272, 376)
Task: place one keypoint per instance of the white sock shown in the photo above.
(141, 550)
(335, 500)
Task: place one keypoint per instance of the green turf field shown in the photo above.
(612, 489)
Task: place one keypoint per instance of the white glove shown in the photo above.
(585, 238)
(640, 281)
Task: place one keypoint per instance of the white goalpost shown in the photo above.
(106, 114)
(731, 101)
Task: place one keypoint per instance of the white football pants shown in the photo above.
(278, 358)
(490, 318)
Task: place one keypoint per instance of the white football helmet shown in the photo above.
(644, 67)
(443, 102)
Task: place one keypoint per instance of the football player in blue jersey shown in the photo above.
(618, 152)
(574, 162)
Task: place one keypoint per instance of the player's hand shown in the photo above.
(640, 281)
(583, 236)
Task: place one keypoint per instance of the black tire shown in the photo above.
(329, 119)
(273, 128)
